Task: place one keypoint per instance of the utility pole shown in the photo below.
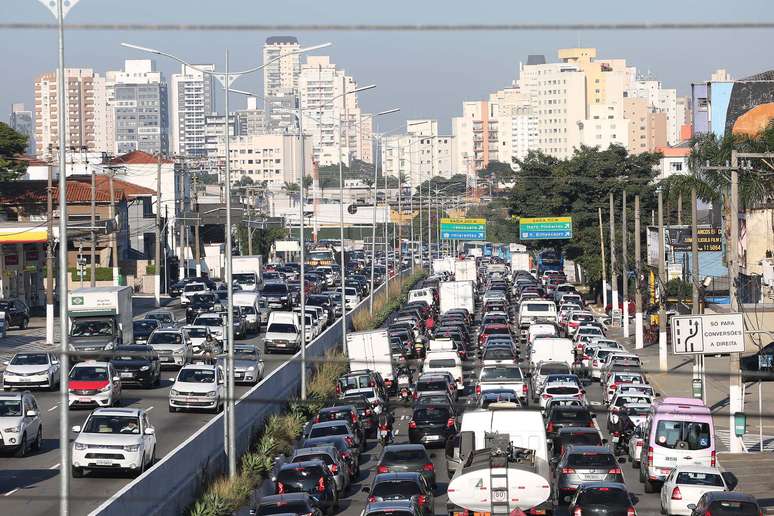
(613, 276)
(411, 232)
(735, 401)
(680, 209)
(301, 264)
(183, 226)
(373, 232)
(602, 254)
(197, 242)
(638, 340)
(386, 249)
(341, 219)
(50, 258)
(114, 216)
(157, 275)
(93, 268)
(662, 336)
(400, 213)
(624, 267)
(698, 371)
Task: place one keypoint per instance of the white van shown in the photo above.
(541, 329)
(250, 303)
(445, 362)
(421, 294)
(533, 309)
(283, 332)
(552, 349)
(441, 345)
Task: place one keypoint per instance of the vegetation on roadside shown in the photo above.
(386, 303)
(226, 495)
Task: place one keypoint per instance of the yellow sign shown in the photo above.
(545, 220)
(23, 235)
(480, 222)
(402, 218)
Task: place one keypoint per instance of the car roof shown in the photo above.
(320, 448)
(91, 363)
(574, 448)
(404, 447)
(597, 485)
(578, 430)
(13, 394)
(735, 496)
(336, 422)
(697, 468)
(302, 464)
(401, 475)
(209, 367)
(287, 497)
(127, 411)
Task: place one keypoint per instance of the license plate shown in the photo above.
(127, 375)
(432, 437)
(191, 399)
(23, 379)
(84, 400)
(238, 375)
(165, 359)
(104, 463)
(592, 477)
(281, 344)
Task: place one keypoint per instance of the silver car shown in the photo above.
(21, 429)
(248, 364)
(164, 316)
(172, 345)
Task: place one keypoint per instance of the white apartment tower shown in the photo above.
(282, 74)
(192, 98)
(419, 154)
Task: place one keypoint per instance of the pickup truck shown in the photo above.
(507, 377)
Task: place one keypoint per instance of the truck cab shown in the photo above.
(100, 320)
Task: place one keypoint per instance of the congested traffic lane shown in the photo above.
(30, 485)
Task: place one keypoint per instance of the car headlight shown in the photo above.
(173, 392)
(12, 430)
(212, 394)
(106, 388)
(180, 350)
(132, 447)
(144, 368)
(9, 373)
(251, 368)
(79, 446)
(109, 346)
(197, 349)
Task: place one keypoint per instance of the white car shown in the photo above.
(172, 345)
(636, 442)
(563, 390)
(686, 484)
(21, 429)
(189, 291)
(616, 378)
(214, 321)
(27, 370)
(446, 362)
(94, 383)
(597, 361)
(351, 297)
(114, 439)
(198, 386)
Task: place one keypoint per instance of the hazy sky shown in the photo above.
(426, 74)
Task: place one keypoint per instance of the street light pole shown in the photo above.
(373, 229)
(302, 257)
(341, 218)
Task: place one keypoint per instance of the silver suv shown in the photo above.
(21, 429)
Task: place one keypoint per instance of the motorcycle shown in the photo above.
(404, 388)
(385, 435)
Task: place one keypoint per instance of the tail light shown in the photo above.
(346, 455)
(317, 419)
(631, 512)
(568, 471)
(478, 389)
(616, 434)
(367, 412)
(577, 512)
(349, 440)
(639, 442)
(321, 485)
(416, 395)
(713, 459)
(428, 467)
(524, 389)
(421, 499)
(449, 423)
(547, 396)
(614, 387)
(676, 494)
(334, 468)
(353, 417)
(650, 455)
(338, 389)
(371, 499)
(412, 425)
(550, 427)
(382, 469)
(280, 488)
(614, 471)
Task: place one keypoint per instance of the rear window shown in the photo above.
(562, 390)
(603, 496)
(583, 439)
(437, 363)
(693, 478)
(500, 373)
(324, 457)
(390, 513)
(398, 489)
(546, 369)
(499, 353)
(560, 414)
(432, 385)
(322, 431)
(684, 435)
(538, 307)
(405, 455)
(299, 474)
(283, 508)
(432, 414)
(733, 508)
(591, 460)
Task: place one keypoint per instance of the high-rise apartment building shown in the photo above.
(252, 120)
(647, 126)
(282, 74)
(419, 154)
(139, 105)
(267, 157)
(22, 122)
(605, 126)
(664, 100)
(192, 98)
(476, 136)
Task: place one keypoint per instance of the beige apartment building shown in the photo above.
(647, 127)
(267, 157)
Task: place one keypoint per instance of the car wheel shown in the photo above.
(635, 464)
(22, 451)
(172, 409)
(649, 486)
(77, 472)
(24, 323)
(38, 444)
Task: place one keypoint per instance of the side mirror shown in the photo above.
(150, 431)
(76, 429)
(32, 413)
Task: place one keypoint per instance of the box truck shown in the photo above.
(457, 294)
(520, 262)
(99, 319)
(441, 265)
(371, 350)
(246, 271)
(465, 270)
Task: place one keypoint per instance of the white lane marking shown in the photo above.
(9, 493)
(397, 432)
(53, 408)
(55, 466)
(149, 408)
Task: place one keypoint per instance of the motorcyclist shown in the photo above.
(385, 423)
(404, 370)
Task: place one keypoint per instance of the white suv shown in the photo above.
(198, 386)
(94, 383)
(114, 439)
(20, 425)
(27, 370)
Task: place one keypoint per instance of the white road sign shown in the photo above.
(707, 334)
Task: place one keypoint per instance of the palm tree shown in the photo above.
(291, 190)
(307, 182)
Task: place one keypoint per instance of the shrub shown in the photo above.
(103, 273)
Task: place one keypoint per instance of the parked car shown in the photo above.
(37, 369)
(17, 313)
(137, 364)
(21, 429)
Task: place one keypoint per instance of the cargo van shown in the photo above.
(678, 432)
(532, 310)
(552, 349)
(250, 303)
(445, 362)
(421, 294)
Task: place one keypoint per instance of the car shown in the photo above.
(21, 428)
(341, 412)
(407, 457)
(634, 447)
(686, 484)
(204, 347)
(392, 508)
(120, 439)
(603, 499)
(312, 477)
(198, 386)
(565, 390)
(142, 328)
(332, 459)
(563, 416)
(94, 383)
(215, 322)
(579, 464)
(436, 383)
(190, 289)
(541, 373)
(201, 303)
(722, 503)
(574, 436)
(173, 347)
(409, 486)
(367, 418)
(597, 361)
(17, 313)
(36, 369)
(277, 295)
(494, 396)
(348, 450)
(137, 364)
(248, 364)
(165, 317)
(432, 424)
(286, 505)
(336, 427)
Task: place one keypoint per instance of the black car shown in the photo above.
(276, 295)
(407, 457)
(342, 413)
(402, 486)
(142, 329)
(724, 503)
(603, 499)
(562, 416)
(292, 503)
(365, 413)
(200, 304)
(750, 365)
(432, 424)
(312, 477)
(577, 436)
(138, 365)
(349, 451)
(17, 313)
(579, 464)
(325, 303)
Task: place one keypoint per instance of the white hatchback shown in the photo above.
(198, 386)
(686, 484)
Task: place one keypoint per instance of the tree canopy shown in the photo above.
(12, 146)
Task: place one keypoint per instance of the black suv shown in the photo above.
(17, 313)
(200, 304)
(402, 486)
(312, 477)
(138, 365)
(580, 464)
(432, 424)
(563, 416)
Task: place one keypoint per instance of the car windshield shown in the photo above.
(591, 460)
(165, 338)
(322, 431)
(275, 288)
(733, 508)
(91, 328)
(387, 512)
(10, 408)
(560, 414)
(684, 435)
(537, 307)
(196, 333)
(498, 353)
(89, 374)
(405, 455)
(245, 353)
(194, 287)
(30, 359)
(324, 457)
(500, 373)
(695, 478)
(636, 411)
(244, 278)
(396, 489)
(160, 316)
(144, 327)
(108, 424)
(281, 328)
(209, 321)
(603, 496)
(291, 507)
(196, 376)
(547, 369)
(441, 363)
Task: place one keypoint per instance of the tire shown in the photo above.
(22, 451)
(24, 323)
(172, 409)
(77, 472)
(649, 486)
(635, 464)
(38, 443)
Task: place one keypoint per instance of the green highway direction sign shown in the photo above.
(463, 229)
(545, 228)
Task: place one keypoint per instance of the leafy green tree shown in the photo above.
(497, 172)
(12, 145)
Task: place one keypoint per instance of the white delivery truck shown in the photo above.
(465, 270)
(371, 350)
(494, 444)
(441, 265)
(551, 349)
(251, 305)
(246, 271)
(457, 294)
(99, 319)
(520, 261)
